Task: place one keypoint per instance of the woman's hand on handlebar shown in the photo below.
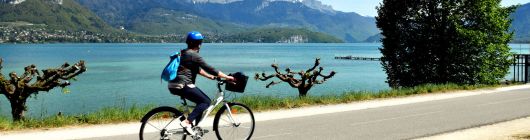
(226, 77)
(230, 78)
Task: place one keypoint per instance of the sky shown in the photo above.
(367, 7)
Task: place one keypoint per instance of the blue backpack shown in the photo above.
(170, 71)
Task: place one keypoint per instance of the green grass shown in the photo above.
(265, 103)
(522, 136)
(104, 116)
(256, 103)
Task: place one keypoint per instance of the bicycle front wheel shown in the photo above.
(234, 123)
(162, 124)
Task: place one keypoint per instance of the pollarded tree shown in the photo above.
(444, 41)
(19, 89)
(307, 79)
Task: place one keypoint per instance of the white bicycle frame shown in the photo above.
(219, 98)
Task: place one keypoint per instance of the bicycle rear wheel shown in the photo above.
(162, 124)
(234, 123)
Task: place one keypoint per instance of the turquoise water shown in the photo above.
(126, 74)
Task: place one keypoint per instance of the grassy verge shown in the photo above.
(104, 116)
(257, 103)
(523, 136)
(261, 103)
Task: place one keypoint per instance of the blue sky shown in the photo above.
(367, 7)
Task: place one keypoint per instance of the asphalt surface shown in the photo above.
(395, 122)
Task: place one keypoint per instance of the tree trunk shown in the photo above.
(17, 109)
(302, 92)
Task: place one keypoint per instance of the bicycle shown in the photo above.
(232, 121)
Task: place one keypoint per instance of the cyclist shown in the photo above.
(191, 64)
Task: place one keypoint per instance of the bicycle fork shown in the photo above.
(230, 115)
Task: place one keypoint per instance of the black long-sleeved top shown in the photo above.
(190, 65)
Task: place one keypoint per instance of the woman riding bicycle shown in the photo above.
(191, 64)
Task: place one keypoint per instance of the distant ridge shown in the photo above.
(231, 16)
(521, 23)
(65, 15)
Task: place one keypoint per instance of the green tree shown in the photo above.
(444, 41)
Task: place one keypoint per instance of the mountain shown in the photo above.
(521, 23)
(351, 27)
(160, 21)
(375, 38)
(65, 15)
(231, 16)
(314, 4)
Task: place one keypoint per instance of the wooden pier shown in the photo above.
(357, 58)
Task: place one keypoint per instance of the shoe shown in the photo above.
(187, 128)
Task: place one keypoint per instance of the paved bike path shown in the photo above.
(403, 121)
(400, 118)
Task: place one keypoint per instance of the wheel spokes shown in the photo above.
(160, 126)
(235, 123)
(155, 127)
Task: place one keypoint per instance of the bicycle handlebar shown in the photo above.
(219, 79)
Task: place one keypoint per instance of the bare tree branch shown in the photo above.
(328, 76)
(275, 66)
(317, 62)
(3, 81)
(272, 84)
(319, 81)
(288, 70)
(74, 70)
(14, 77)
(1, 61)
(52, 77)
(18, 89)
(307, 79)
(314, 77)
(263, 77)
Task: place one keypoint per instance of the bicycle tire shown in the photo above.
(225, 129)
(164, 118)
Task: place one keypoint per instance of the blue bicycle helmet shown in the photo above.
(194, 36)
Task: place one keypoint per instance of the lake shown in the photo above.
(129, 74)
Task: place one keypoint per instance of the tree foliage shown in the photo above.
(18, 89)
(444, 41)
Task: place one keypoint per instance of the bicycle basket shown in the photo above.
(240, 83)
